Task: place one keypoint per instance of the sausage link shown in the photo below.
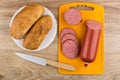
(91, 41)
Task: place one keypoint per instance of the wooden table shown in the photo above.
(14, 68)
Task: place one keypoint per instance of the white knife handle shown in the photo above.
(60, 65)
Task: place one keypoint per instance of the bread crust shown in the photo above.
(38, 32)
(24, 20)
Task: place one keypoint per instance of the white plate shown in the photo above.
(49, 37)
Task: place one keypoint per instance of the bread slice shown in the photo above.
(38, 32)
(24, 20)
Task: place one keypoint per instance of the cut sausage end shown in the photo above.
(93, 24)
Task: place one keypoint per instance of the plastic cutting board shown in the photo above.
(96, 67)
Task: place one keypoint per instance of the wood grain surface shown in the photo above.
(14, 68)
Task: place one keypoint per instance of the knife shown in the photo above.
(44, 62)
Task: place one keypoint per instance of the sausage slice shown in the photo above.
(70, 49)
(72, 16)
(65, 31)
(69, 36)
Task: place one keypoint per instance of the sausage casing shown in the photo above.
(91, 41)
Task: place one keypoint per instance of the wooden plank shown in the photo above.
(14, 68)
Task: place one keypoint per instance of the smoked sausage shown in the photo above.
(69, 43)
(70, 49)
(91, 41)
(66, 31)
(69, 36)
(72, 16)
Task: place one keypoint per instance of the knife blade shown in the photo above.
(44, 62)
